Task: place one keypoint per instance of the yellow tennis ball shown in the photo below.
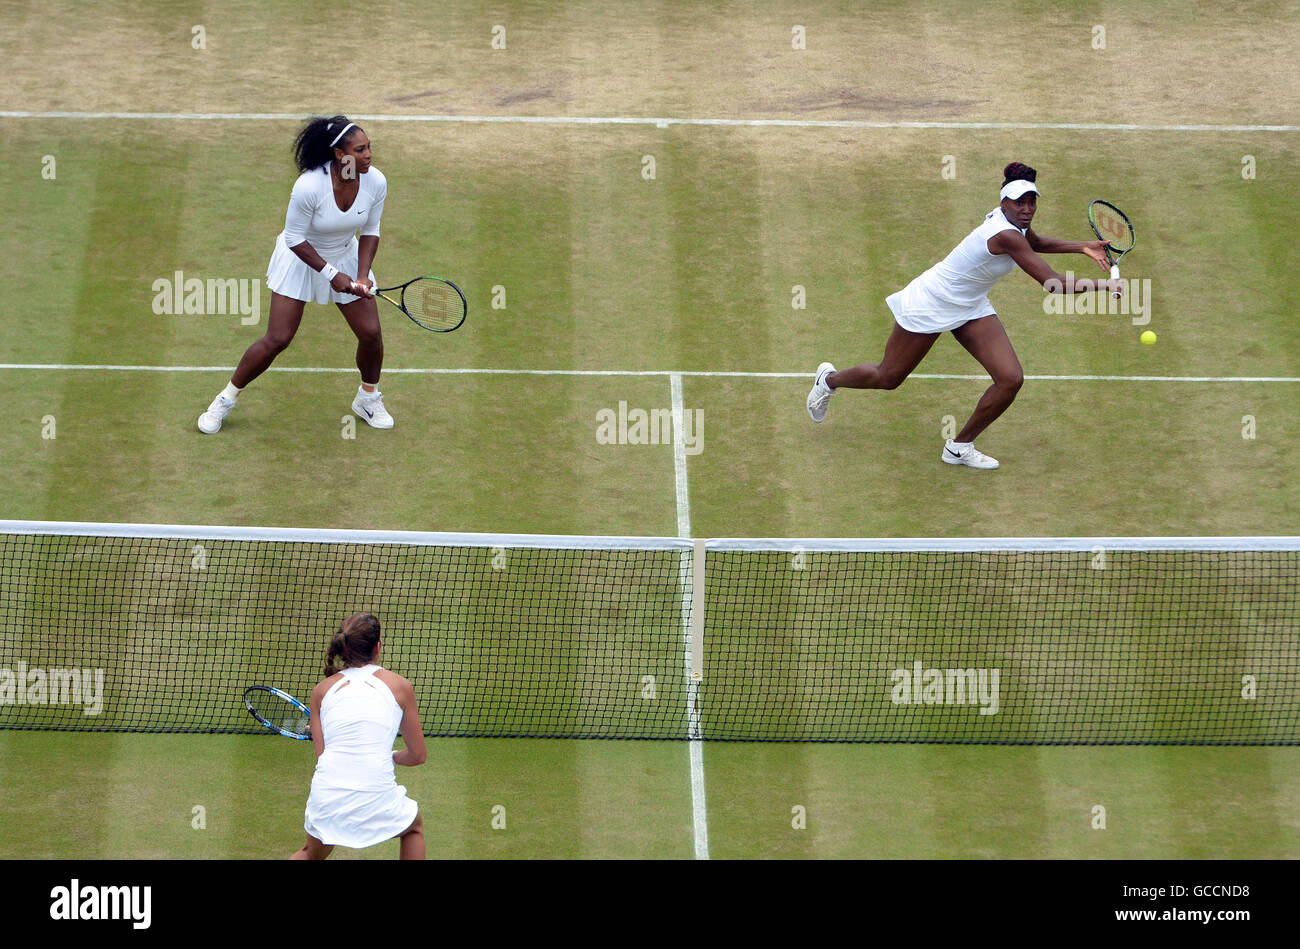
(1148, 338)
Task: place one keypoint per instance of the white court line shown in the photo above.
(679, 458)
(659, 122)
(699, 804)
(70, 367)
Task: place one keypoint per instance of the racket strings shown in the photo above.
(1111, 226)
(434, 304)
(1122, 244)
(278, 712)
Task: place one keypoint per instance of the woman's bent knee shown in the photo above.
(891, 380)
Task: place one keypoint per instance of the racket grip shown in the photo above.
(1114, 275)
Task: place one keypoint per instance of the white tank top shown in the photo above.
(360, 717)
(963, 279)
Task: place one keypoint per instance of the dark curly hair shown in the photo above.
(312, 147)
(355, 641)
(1018, 172)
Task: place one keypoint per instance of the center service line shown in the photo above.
(690, 579)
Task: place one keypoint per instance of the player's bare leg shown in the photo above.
(313, 849)
(987, 341)
(281, 325)
(904, 351)
(412, 846)
(363, 316)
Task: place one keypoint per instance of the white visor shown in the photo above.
(1017, 188)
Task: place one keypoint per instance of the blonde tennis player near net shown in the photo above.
(356, 712)
(318, 258)
(952, 297)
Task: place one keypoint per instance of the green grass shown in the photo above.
(102, 796)
(98, 796)
(692, 271)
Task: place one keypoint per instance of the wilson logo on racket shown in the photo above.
(430, 302)
(1111, 226)
(1110, 223)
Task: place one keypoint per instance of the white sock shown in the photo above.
(368, 394)
(959, 446)
(230, 392)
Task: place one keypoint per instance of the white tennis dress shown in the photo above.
(956, 290)
(314, 216)
(355, 799)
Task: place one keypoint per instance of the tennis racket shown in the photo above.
(278, 711)
(1109, 223)
(431, 302)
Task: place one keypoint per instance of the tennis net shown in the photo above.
(110, 627)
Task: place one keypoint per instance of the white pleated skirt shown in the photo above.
(288, 276)
(918, 311)
(343, 818)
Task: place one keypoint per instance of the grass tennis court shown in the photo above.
(576, 262)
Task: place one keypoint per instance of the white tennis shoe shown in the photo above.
(820, 396)
(370, 407)
(210, 421)
(968, 456)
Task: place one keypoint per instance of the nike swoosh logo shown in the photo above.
(369, 414)
(955, 454)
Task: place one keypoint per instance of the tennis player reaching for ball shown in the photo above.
(338, 192)
(356, 712)
(952, 297)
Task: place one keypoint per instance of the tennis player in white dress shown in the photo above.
(952, 297)
(356, 713)
(318, 258)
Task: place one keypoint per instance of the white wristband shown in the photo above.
(329, 271)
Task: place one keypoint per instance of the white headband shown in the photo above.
(1017, 188)
(341, 134)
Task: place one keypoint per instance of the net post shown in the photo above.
(697, 612)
